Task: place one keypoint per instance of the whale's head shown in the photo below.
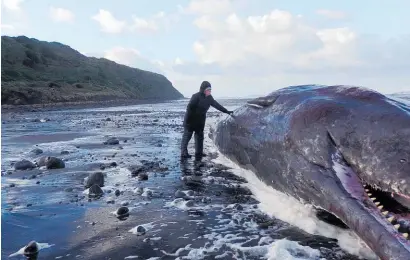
(357, 139)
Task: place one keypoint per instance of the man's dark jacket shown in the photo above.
(196, 111)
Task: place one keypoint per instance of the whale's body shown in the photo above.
(343, 149)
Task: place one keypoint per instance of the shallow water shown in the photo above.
(224, 217)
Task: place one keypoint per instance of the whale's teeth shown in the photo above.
(385, 213)
(377, 203)
(369, 194)
(366, 190)
(380, 207)
(391, 219)
(373, 198)
(406, 235)
(397, 226)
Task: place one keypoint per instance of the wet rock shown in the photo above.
(12, 185)
(113, 164)
(68, 189)
(36, 151)
(38, 182)
(112, 141)
(125, 203)
(143, 177)
(180, 194)
(140, 231)
(33, 176)
(108, 119)
(95, 191)
(95, 178)
(110, 201)
(238, 206)
(24, 165)
(29, 205)
(206, 200)
(189, 203)
(51, 162)
(31, 249)
(122, 211)
(64, 152)
(117, 193)
(190, 193)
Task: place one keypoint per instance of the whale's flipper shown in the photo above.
(262, 102)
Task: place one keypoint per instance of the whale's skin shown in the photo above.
(320, 144)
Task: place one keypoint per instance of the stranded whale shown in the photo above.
(342, 149)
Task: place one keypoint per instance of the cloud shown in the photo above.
(210, 7)
(12, 5)
(331, 14)
(132, 57)
(61, 15)
(143, 25)
(278, 48)
(7, 27)
(109, 23)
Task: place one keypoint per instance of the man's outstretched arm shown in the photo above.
(218, 106)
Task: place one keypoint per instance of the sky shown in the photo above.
(244, 48)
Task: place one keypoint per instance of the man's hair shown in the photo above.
(204, 85)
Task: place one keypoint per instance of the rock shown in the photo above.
(38, 182)
(238, 206)
(51, 162)
(64, 152)
(108, 119)
(24, 165)
(95, 178)
(190, 193)
(95, 191)
(206, 200)
(122, 211)
(31, 249)
(180, 194)
(113, 164)
(117, 193)
(140, 231)
(36, 151)
(33, 177)
(189, 203)
(12, 185)
(68, 189)
(125, 203)
(112, 141)
(110, 201)
(143, 177)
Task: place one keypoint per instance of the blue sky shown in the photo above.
(243, 47)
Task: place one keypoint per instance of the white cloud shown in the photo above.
(208, 7)
(279, 48)
(144, 25)
(132, 57)
(61, 14)
(7, 27)
(108, 22)
(331, 14)
(12, 5)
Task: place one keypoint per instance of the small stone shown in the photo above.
(36, 151)
(64, 152)
(93, 223)
(117, 193)
(189, 203)
(122, 211)
(180, 194)
(24, 165)
(125, 203)
(140, 231)
(29, 205)
(12, 185)
(38, 182)
(112, 141)
(143, 177)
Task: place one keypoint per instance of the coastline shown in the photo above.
(55, 106)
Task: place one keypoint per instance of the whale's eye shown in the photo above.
(403, 160)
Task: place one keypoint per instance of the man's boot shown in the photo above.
(186, 137)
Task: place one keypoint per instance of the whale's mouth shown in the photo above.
(393, 206)
(390, 209)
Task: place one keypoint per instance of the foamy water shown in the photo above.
(290, 210)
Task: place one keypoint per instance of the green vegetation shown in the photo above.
(38, 72)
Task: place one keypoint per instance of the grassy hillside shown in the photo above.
(35, 72)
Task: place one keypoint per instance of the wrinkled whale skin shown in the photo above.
(292, 137)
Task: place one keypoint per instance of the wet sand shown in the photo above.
(218, 218)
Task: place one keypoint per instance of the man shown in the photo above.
(195, 117)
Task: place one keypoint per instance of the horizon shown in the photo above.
(244, 50)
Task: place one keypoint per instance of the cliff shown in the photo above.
(39, 72)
